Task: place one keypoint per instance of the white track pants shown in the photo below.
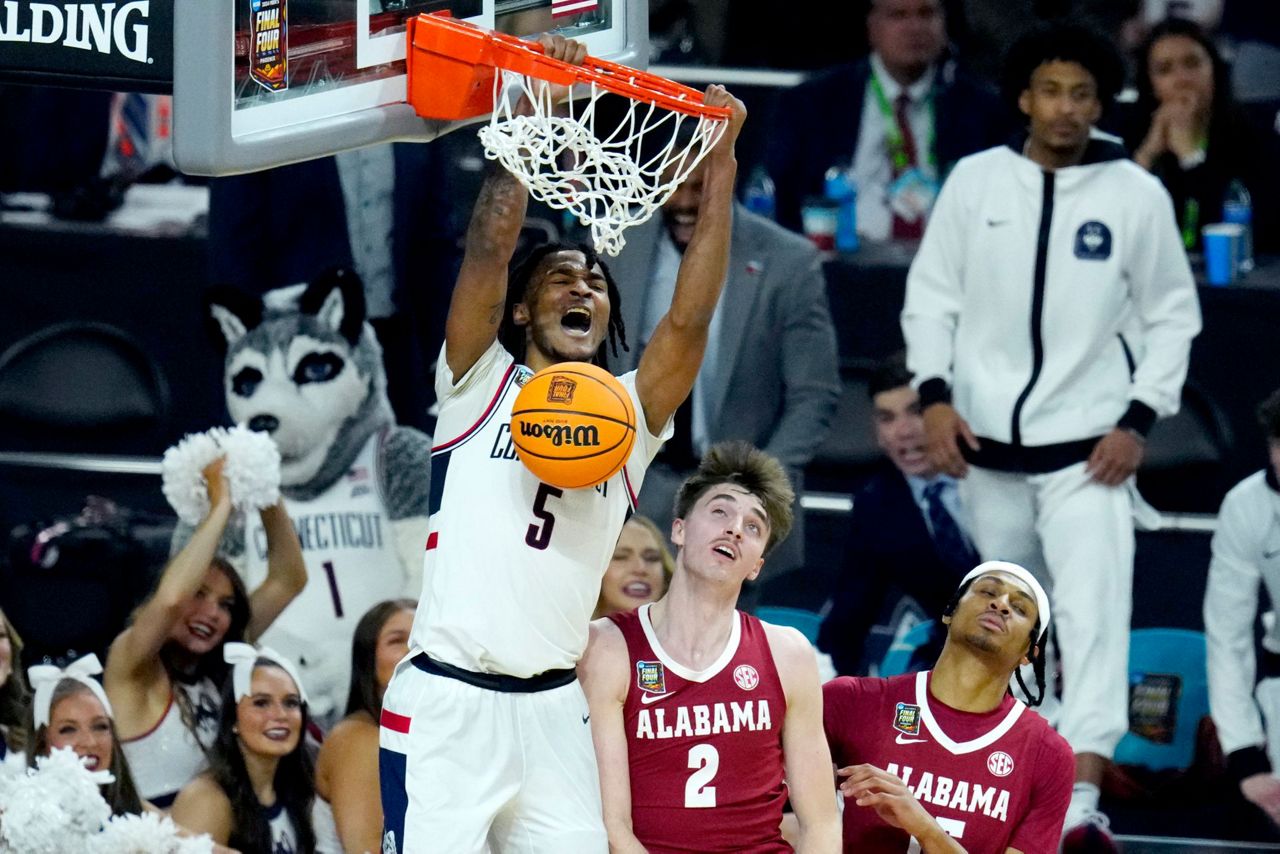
(1076, 536)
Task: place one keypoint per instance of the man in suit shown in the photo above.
(900, 118)
(906, 531)
(769, 374)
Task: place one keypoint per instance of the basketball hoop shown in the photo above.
(457, 71)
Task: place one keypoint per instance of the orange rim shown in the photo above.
(474, 44)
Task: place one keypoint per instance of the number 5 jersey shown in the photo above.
(994, 780)
(513, 566)
(705, 747)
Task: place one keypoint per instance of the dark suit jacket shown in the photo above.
(816, 125)
(888, 545)
(777, 379)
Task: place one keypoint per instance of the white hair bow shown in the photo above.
(44, 679)
(243, 657)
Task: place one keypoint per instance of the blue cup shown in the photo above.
(1222, 252)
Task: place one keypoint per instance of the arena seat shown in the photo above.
(898, 659)
(1182, 470)
(798, 618)
(1168, 696)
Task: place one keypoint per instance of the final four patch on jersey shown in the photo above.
(906, 719)
(651, 677)
(1093, 241)
(522, 375)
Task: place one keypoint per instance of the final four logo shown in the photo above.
(651, 677)
(906, 719)
(561, 390)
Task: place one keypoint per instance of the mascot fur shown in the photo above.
(302, 365)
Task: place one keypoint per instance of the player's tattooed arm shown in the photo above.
(603, 672)
(475, 311)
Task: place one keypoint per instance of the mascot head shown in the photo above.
(303, 365)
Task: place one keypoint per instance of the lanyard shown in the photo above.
(893, 131)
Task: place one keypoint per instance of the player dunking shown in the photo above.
(706, 719)
(485, 731)
(947, 760)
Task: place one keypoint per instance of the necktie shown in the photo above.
(952, 547)
(905, 229)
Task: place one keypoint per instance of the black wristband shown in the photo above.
(933, 390)
(1246, 762)
(1139, 418)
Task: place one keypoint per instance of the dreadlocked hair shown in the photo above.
(1035, 652)
(512, 337)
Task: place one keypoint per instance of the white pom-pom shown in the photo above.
(54, 807)
(149, 833)
(252, 468)
(182, 480)
(252, 471)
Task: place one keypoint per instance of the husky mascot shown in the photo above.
(303, 365)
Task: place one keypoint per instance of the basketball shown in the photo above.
(573, 425)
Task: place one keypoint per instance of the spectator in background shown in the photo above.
(164, 670)
(906, 529)
(1246, 553)
(901, 117)
(1188, 132)
(639, 570)
(258, 793)
(1038, 256)
(70, 709)
(13, 696)
(348, 797)
(769, 373)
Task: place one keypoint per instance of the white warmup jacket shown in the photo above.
(1018, 297)
(1246, 552)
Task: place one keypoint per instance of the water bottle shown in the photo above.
(843, 190)
(758, 195)
(1237, 207)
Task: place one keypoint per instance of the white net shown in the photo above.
(609, 184)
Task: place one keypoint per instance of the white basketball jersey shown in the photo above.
(352, 564)
(513, 565)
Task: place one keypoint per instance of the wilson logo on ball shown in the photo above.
(562, 434)
(573, 425)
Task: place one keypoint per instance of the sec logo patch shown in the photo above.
(746, 677)
(1000, 764)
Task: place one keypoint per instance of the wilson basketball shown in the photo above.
(573, 425)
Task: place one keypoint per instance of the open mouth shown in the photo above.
(90, 761)
(638, 590)
(204, 631)
(726, 551)
(277, 733)
(576, 321)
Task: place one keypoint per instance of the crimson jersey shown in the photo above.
(997, 780)
(705, 748)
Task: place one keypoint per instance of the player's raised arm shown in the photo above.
(603, 673)
(670, 362)
(804, 744)
(479, 295)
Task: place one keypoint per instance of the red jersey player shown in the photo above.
(705, 719)
(948, 760)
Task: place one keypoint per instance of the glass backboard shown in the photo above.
(262, 83)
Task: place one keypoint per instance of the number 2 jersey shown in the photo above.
(994, 780)
(513, 566)
(704, 748)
